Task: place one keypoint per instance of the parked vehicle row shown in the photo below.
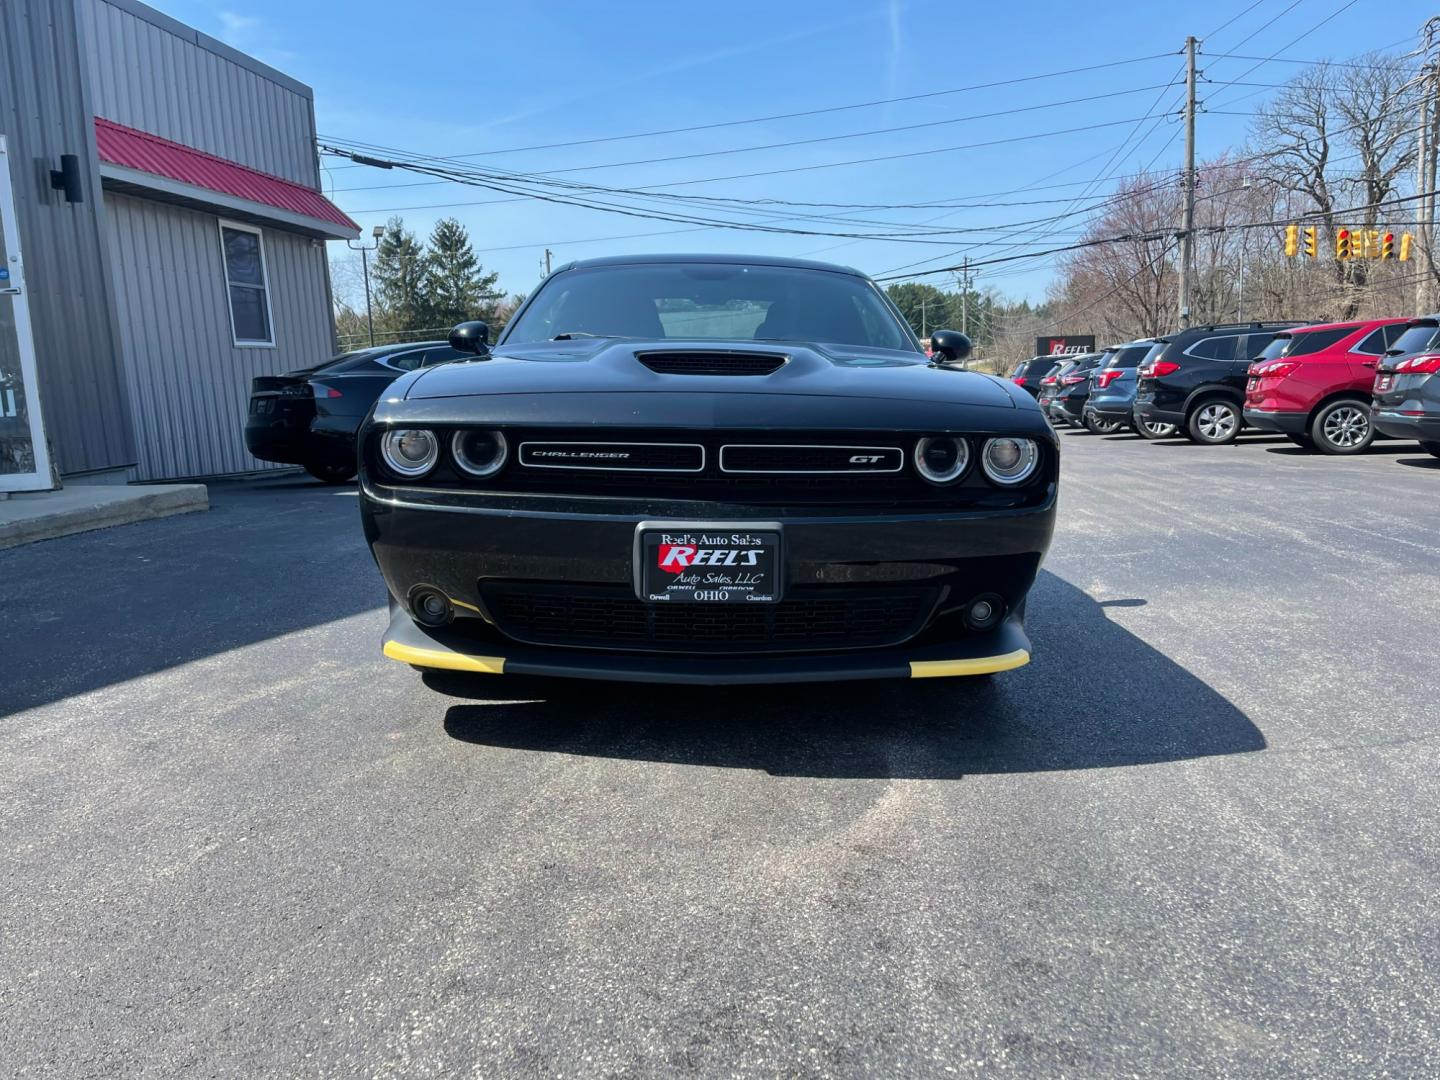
(1331, 387)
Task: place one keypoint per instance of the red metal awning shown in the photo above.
(146, 153)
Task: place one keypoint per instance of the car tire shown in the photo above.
(1431, 448)
(1342, 427)
(1302, 441)
(330, 473)
(1148, 429)
(1214, 422)
(1096, 426)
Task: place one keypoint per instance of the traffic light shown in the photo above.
(1311, 243)
(1342, 244)
(1370, 241)
(1405, 247)
(1387, 246)
(1292, 244)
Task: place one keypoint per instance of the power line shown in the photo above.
(790, 144)
(777, 116)
(1233, 18)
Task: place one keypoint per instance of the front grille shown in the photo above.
(611, 617)
(711, 363)
(805, 458)
(614, 456)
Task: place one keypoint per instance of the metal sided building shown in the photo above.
(166, 196)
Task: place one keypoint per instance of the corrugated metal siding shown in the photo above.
(44, 114)
(151, 73)
(189, 384)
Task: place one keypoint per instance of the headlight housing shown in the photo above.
(1010, 461)
(942, 459)
(479, 452)
(409, 452)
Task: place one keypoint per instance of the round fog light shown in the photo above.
(409, 452)
(1010, 461)
(984, 612)
(431, 607)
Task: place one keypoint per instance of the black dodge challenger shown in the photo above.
(708, 469)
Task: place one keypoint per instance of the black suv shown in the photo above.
(1028, 373)
(1197, 381)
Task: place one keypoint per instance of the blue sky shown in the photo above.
(451, 78)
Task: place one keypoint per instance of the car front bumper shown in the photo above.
(476, 555)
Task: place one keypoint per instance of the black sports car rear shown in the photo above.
(708, 469)
(310, 417)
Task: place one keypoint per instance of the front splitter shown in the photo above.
(1004, 648)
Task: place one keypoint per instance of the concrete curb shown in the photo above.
(26, 518)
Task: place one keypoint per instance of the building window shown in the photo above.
(244, 252)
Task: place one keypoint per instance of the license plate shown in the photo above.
(1384, 382)
(708, 563)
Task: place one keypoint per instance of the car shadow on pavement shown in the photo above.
(1095, 696)
(1419, 462)
(270, 558)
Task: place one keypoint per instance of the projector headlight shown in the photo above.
(1010, 461)
(409, 452)
(942, 459)
(479, 452)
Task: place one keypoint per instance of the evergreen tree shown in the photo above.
(401, 269)
(456, 285)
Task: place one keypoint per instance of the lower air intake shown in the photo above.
(612, 618)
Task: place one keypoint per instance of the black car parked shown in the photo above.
(1028, 373)
(708, 469)
(309, 417)
(1197, 382)
(1072, 389)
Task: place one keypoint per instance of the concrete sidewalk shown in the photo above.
(44, 515)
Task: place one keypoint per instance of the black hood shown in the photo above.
(608, 365)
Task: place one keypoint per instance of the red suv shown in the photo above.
(1313, 383)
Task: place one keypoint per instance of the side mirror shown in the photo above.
(949, 346)
(471, 337)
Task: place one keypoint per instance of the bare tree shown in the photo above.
(1342, 136)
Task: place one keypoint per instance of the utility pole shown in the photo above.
(547, 262)
(1425, 166)
(965, 301)
(1187, 233)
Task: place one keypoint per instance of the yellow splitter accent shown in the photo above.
(444, 660)
(495, 665)
(980, 665)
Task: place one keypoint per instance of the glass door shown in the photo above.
(24, 454)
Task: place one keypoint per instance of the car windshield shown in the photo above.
(711, 302)
(1415, 338)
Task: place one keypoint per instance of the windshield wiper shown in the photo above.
(570, 334)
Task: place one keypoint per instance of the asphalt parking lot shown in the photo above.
(1197, 835)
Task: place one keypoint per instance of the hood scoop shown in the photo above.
(714, 362)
